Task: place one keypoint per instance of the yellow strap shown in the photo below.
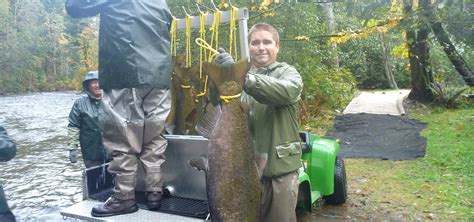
(228, 98)
(185, 87)
(173, 36)
(188, 41)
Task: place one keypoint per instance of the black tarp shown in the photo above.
(379, 136)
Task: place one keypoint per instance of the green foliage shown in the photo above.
(447, 95)
(326, 92)
(33, 52)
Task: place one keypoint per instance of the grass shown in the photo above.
(438, 187)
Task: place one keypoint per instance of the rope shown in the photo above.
(202, 32)
(202, 51)
(228, 98)
(205, 88)
(233, 31)
(204, 44)
(215, 32)
(188, 41)
(173, 36)
(185, 87)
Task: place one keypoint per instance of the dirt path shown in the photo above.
(380, 102)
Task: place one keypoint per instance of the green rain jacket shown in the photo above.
(272, 94)
(134, 41)
(85, 126)
(7, 152)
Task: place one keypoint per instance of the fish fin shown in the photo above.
(205, 126)
(214, 72)
(214, 95)
(200, 163)
(261, 160)
(240, 70)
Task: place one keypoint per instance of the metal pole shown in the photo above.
(243, 36)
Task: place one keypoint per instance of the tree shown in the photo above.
(418, 54)
(442, 37)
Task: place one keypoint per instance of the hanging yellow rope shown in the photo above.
(202, 51)
(233, 32)
(202, 33)
(204, 44)
(215, 31)
(188, 41)
(173, 36)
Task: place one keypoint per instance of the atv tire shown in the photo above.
(340, 184)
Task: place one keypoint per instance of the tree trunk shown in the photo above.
(418, 51)
(328, 12)
(386, 59)
(458, 62)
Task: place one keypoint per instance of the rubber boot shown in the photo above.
(153, 200)
(114, 206)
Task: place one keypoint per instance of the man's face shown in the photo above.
(94, 88)
(263, 49)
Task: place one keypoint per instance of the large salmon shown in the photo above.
(233, 185)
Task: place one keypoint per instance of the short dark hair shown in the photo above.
(265, 27)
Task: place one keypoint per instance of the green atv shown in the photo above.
(322, 176)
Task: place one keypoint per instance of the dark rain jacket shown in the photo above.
(7, 152)
(272, 94)
(86, 119)
(134, 41)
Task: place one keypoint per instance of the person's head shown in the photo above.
(91, 84)
(264, 43)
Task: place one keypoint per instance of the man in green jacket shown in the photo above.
(7, 152)
(272, 92)
(85, 124)
(134, 67)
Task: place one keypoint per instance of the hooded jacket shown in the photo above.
(134, 41)
(272, 94)
(86, 126)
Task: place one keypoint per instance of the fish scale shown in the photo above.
(233, 185)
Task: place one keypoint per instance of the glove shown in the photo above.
(73, 156)
(223, 58)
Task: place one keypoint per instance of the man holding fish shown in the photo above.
(272, 91)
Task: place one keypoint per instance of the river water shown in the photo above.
(39, 181)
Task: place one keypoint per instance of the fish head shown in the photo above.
(228, 79)
(181, 73)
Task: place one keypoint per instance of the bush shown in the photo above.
(326, 91)
(447, 95)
